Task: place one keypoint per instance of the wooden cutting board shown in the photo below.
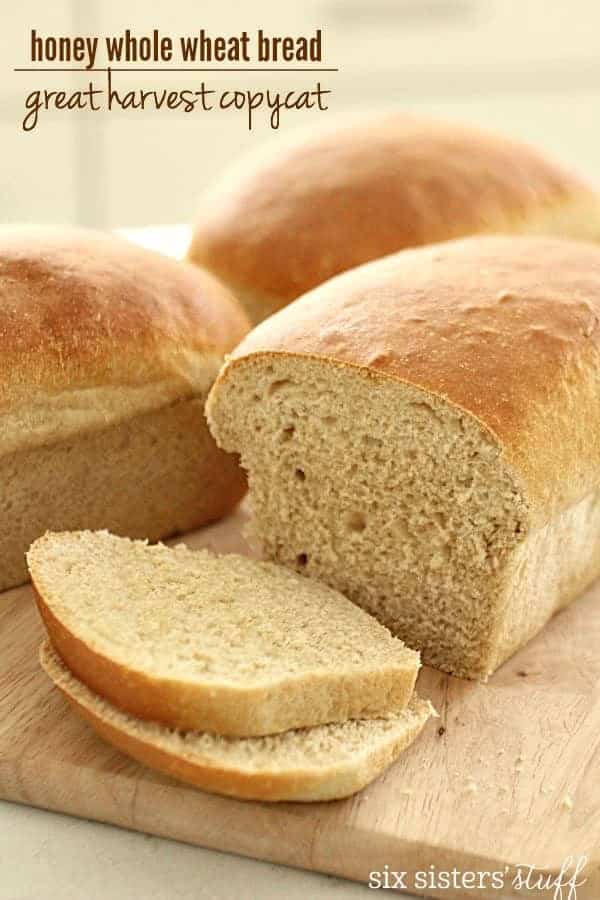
(509, 774)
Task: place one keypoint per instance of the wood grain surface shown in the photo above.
(508, 776)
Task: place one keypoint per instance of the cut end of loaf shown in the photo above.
(74, 485)
(323, 763)
(384, 491)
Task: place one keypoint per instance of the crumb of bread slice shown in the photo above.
(209, 642)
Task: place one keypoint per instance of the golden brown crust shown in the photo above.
(94, 329)
(505, 328)
(300, 785)
(316, 207)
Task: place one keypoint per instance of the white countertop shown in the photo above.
(48, 856)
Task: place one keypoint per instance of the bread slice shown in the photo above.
(323, 763)
(213, 643)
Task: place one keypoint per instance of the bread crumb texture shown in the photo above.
(182, 612)
(391, 496)
(259, 645)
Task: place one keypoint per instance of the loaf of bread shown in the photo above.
(323, 763)
(423, 434)
(213, 643)
(108, 352)
(311, 208)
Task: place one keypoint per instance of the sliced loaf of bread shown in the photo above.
(322, 763)
(213, 643)
(423, 435)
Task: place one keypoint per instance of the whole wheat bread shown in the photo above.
(306, 208)
(322, 763)
(423, 434)
(107, 353)
(213, 643)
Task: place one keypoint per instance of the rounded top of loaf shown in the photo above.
(314, 206)
(94, 329)
(507, 329)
